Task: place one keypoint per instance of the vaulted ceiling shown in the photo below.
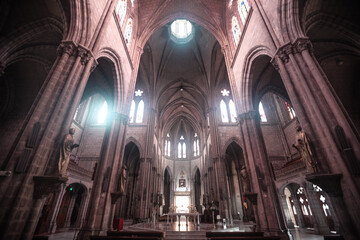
(178, 79)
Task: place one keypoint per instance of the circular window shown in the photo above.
(181, 31)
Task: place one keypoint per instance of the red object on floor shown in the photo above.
(118, 224)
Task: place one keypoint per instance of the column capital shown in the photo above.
(283, 52)
(68, 47)
(302, 44)
(85, 54)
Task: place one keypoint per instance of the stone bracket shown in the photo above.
(44, 185)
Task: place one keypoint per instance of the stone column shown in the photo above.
(319, 112)
(330, 183)
(270, 217)
(99, 211)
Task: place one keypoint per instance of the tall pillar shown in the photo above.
(99, 211)
(319, 111)
(269, 215)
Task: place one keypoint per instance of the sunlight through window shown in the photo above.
(102, 113)
(181, 28)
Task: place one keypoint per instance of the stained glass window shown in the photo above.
(232, 111)
(179, 150)
(223, 109)
(184, 150)
(262, 113)
(132, 111)
(121, 10)
(140, 112)
(235, 30)
(168, 146)
(102, 113)
(128, 31)
(243, 8)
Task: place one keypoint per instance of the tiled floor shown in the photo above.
(297, 234)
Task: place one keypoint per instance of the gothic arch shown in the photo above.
(227, 144)
(246, 89)
(117, 72)
(138, 145)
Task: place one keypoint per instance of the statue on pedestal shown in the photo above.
(245, 179)
(122, 180)
(65, 151)
(304, 147)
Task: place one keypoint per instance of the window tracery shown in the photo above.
(137, 108)
(235, 30)
(243, 8)
(128, 31)
(121, 10)
(227, 107)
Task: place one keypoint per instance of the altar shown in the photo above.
(187, 215)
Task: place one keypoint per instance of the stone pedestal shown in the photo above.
(43, 186)
(331, 184)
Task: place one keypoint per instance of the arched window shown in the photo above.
(184, 150)
(137, 108)
(132, 3)
(128, 31)
(235, 30)
(232, 111)
(168, 146)
(227, 107)
(195, 152)
(121, 10)
(179, 150)
(140, 112)
(102, 113)
(198, 147)
(132, 111)
(290, 110)
(262, 113)
(243, 8)
(224, 114)
(165, 148)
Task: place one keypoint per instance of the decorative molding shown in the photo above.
(68, 47)
(85, 54)
(298, 46)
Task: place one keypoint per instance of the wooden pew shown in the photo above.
(234, 234)
(246, 238)
(123, 238)
(156, 234)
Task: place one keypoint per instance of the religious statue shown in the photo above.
(304, 147)
(245, 179)
(122, 180)
(65, 151)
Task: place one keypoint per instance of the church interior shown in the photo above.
(195, 119)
